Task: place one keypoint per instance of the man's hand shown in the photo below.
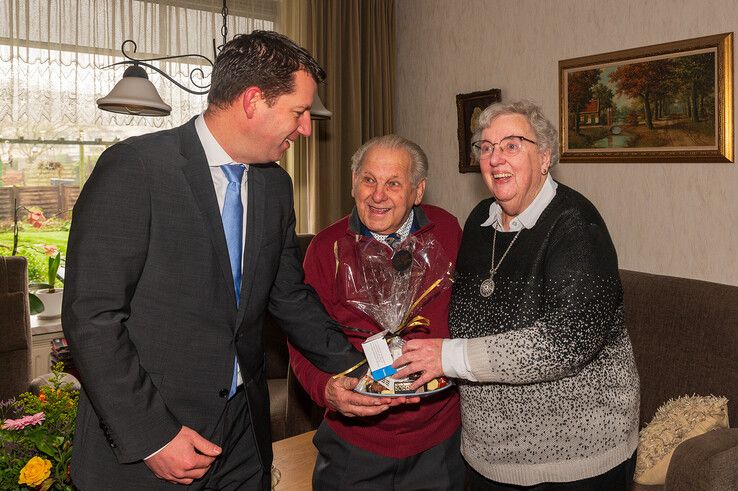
(186, 458)
(339, 395)
(421, 356)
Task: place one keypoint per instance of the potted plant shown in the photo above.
(35, 218)
(36, 437)
(49, 295)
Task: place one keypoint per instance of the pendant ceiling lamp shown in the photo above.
(136, 95)
(318, 111)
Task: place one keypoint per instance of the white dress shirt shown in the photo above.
(403, 231)
(216, 157)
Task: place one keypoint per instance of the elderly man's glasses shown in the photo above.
(509, 146)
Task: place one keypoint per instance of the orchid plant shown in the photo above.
(37, 220)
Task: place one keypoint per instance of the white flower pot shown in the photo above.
(52, 303)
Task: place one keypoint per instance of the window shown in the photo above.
(52, 54)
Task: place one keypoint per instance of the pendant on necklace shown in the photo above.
(487, 287)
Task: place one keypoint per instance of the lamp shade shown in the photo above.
(135, 95)
(318, 110)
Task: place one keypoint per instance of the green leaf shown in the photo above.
(37, 306)
(46, 485)
(66, 454)
(53, 268)
(39, 438)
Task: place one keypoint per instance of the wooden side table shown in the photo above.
(295, 458)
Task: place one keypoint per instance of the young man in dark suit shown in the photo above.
(181, 241)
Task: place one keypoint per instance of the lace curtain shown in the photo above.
(52, 54)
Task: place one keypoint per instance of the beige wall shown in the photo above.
(675, 219)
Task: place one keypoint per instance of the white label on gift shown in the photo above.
(378, 355)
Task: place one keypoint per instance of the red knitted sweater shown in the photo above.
(404, 430)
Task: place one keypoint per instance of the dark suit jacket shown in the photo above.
(150, 310)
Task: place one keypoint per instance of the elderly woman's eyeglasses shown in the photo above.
(509, 146)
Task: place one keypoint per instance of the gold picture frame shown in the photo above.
(670, 102)
(468, 107)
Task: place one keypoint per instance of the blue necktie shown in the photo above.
(233, 226)
(394, 241)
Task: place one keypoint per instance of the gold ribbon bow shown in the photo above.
(416, 321)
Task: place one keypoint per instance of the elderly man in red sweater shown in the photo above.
(365, 442)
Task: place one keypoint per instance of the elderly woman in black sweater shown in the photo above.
(549, 388)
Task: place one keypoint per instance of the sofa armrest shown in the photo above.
(705, 462)
(302, 413)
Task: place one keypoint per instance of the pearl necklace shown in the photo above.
(488, 286)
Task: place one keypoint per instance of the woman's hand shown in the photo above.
(421, 356)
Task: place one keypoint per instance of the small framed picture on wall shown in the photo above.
(468, 108)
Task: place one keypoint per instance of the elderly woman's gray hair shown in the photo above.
(545, 132)
(419, 167)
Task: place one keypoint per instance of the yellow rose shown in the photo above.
(35, 472)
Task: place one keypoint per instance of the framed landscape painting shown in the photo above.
(669, 102)
(468, 107)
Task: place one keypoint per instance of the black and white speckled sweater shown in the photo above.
(559, 393)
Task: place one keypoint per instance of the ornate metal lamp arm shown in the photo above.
(144, 62)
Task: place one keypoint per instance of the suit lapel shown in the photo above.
(254, 233)
(197, 173)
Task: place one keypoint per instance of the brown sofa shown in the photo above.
(685, 338)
